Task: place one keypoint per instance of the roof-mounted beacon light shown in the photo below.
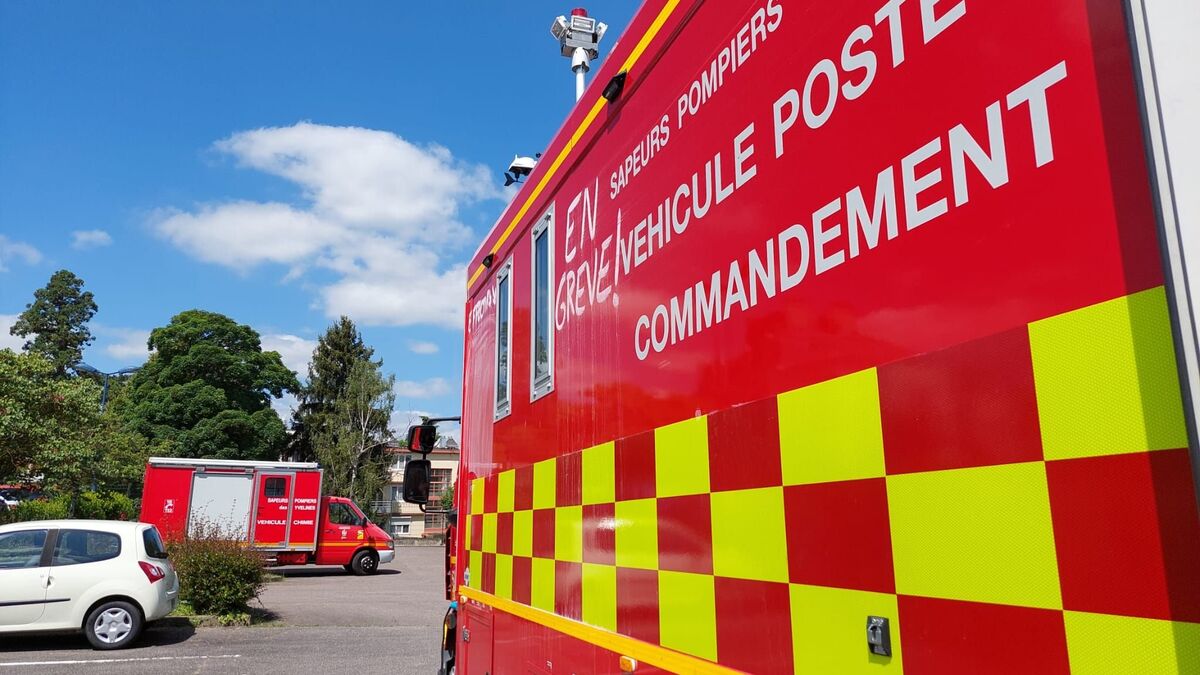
(579, 38)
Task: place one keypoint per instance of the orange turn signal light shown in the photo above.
(628, 664)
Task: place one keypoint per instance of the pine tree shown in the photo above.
(55, 323)
(338, 349)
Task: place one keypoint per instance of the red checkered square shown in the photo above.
(1127, 534)
(685, 534)
(951, 637)
(476, 533)
(599, 534)
(488, 583)
(568, 478)
(568, 589)
(522, 579)
(970, 405)
(634, 471)
(750, 433)
(839, 535)
(490, 493)
(754, 625)
(504, 533)
(523, 488)
(637, 604)
(543, 533)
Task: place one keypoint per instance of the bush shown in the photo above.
(39, 509)
(217, 574)
(109, 506)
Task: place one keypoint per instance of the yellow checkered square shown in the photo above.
(749, 537)
(475, 567)
(1101, 644)
(681, 458)
(831, 431)
(828, 629)
(1106, 379)
(568, 533)
(600, 596)
(489, 533)
(523, 533)
(981, 534)
(541, 588)
(477, 496)
(599, 474)
(545, 485)
(504, 572)
(687, 613)
(637, 533)
(504, 491)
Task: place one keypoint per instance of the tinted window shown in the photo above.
(76, 547)
(153, 543)
(502, 356)
(20, 550)
(340, 514)
(275, 487)
(543, 336)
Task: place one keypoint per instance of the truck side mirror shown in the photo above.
(416, 481)
(422, 438)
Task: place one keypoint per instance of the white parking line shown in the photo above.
(16, 664)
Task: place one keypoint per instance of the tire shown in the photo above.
(364, 563)
(113, 625)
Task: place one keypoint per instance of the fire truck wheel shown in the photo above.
(364, 563)
(113, 625)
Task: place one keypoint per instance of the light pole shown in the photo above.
(85, 368)
(579, 38)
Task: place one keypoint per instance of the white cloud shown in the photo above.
(284, 407)
(7, 340)
(295, 350)
(85, 239)
(379, 212)
(434, 386)
(128, 344)
(17, 250)
(417, 347)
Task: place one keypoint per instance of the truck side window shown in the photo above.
(275, 487)
(541, 363)
(503, 340)
(340, 514)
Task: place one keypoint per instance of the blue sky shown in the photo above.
(281, 163)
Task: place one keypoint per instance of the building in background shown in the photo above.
(407, 521)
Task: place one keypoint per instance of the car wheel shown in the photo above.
(364, 563)
(113, 625)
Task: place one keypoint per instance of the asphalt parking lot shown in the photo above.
(328, 622)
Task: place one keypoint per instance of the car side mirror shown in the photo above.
(416, 481)
(362, 522)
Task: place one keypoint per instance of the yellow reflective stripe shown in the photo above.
(622, 645)
(633, 57)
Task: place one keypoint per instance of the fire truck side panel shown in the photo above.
(165, 499)
(873, 325)
(305, 506)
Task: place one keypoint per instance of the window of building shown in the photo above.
(21, 550)
(434, 523)
(439, 482)
(541, 362)
(401, 527)
(76, 547)
(275, 487)
(504, 340)
(399, 463)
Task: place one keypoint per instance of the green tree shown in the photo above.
(49, 426)
(351, 444)
(206, 391)
(337, 351)
(55, 323)
(447, 500)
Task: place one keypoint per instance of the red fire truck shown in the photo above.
(276, 507)
(845, 337)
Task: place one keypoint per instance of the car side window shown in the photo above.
(76, 547)
(340, 514)
(21, 550)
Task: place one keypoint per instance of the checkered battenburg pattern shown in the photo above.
(1022, 503)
